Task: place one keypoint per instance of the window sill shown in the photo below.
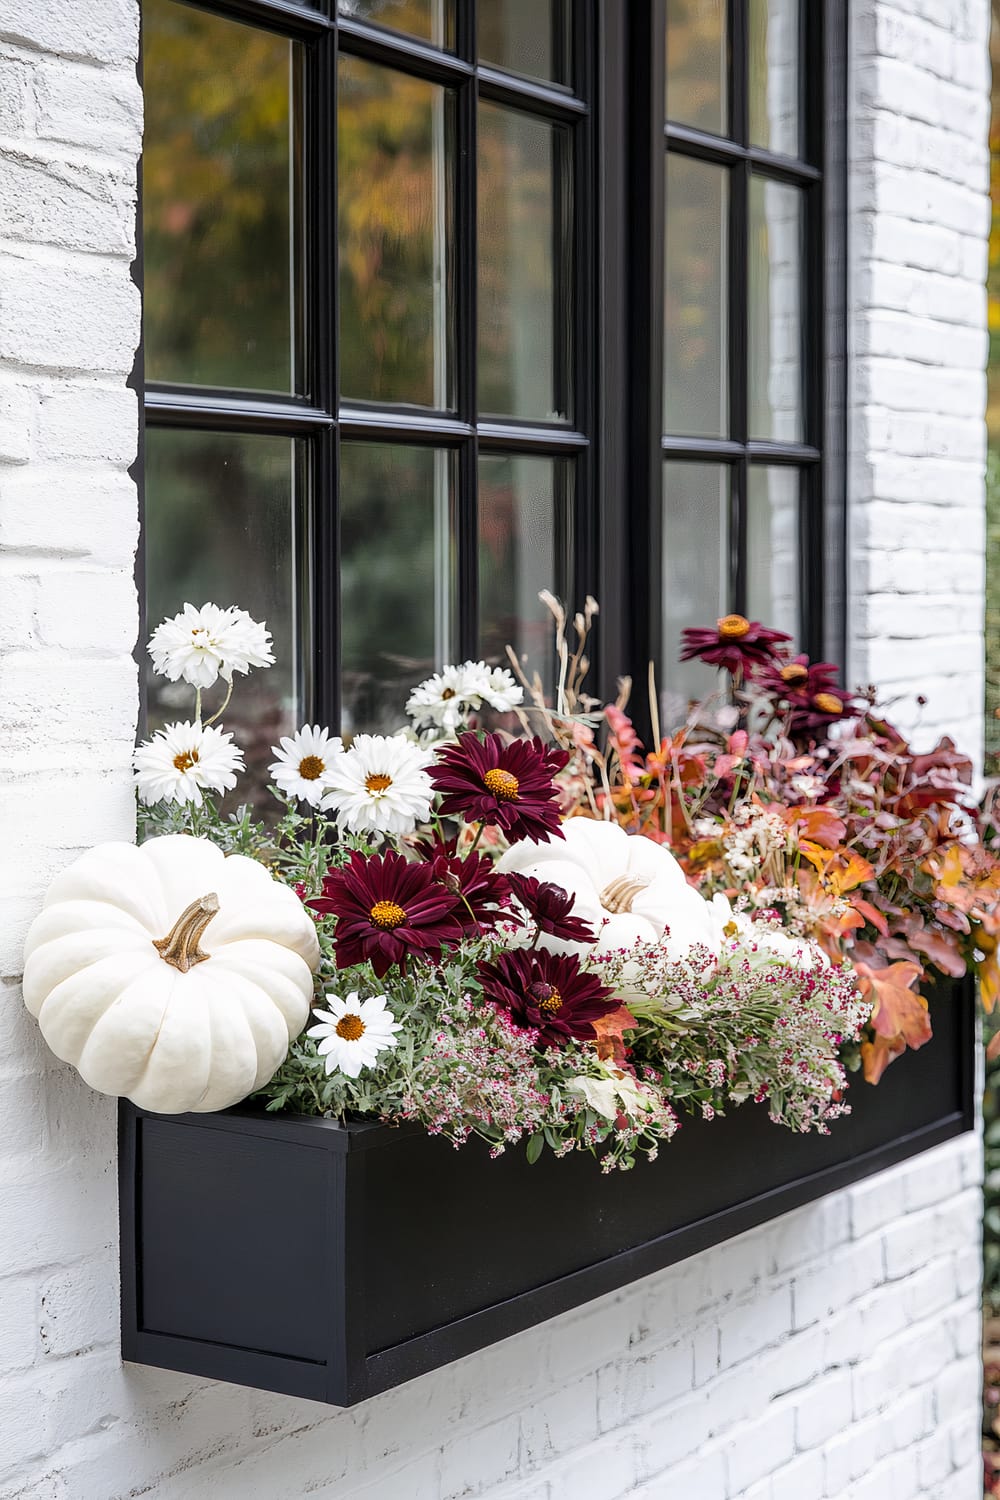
(299, 1256)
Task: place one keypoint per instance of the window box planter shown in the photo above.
(299, 1256)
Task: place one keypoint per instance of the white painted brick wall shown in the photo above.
(829, 1356)
(920, 222)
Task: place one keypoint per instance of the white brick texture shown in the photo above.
(920, 224)
(831, 1355)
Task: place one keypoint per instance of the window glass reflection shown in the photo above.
(773, 548)
(696, 64)
(430, 20)
(220, 223)
(222, 525)
(395, 218)
(526, 36)
(524, 270)
(775, 75)
(397, 577)
(775, 310)
(525, 545)
(696, 374)
(695, 576)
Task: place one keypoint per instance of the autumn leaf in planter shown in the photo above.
(899, 1017)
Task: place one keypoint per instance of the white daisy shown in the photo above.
(200, 644)
(183, 760)
(303, 764)
(380, 785)
(353, 1032)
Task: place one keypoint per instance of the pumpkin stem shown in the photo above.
(619, 895)
(180, 946)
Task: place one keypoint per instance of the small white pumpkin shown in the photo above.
(630, 889)
(170, 973)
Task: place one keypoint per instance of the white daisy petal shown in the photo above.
(364, 1029)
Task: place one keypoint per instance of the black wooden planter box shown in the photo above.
(298, 1256)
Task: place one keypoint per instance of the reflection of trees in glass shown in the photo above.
(394, 213)
(219, 527)
(696, 63)
(396, 565)
(433, 20)
(216, 188)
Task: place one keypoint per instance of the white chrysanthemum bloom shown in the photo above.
(183, 760)
(445, 699)
(352, 1033)
(502, 692)
(199, 645)
(302, 768)
(247, 644)
(380, 785)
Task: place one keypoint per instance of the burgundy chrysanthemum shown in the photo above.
(549, 907)
(737, 644)
(548, 993)
(386, 909)
(810, 690)
(485, 780)
(482, 891)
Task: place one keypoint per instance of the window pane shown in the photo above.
(395, 208)
(696, 64)
(774, 75)
(397, 577)
(695, 575)
(222, 525)
(524, 273)
(526, 36)
(219, 231)
(695, 376)
(430, 20)
(775, 310)
(773, 548)
(525, 545)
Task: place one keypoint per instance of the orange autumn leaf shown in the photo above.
(820, 824)
(840, 870)
(871, 914)
(610, 1031)
(988, 971)
(899, 1012)
(877, 1055)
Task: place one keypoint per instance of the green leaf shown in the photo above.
(535, 1145)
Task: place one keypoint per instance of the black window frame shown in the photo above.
(615, 109)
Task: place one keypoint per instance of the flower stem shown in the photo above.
(479, 834)
(225, 704)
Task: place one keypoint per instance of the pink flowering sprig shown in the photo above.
(748, 1025)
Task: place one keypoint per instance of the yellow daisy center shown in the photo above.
(387, 915)
(311, 767)
(545, 997)
(733, 627)
(795, 674)
(378, 782)
(502, 784)
(350, 1027)
(827, 703)
(185, 760)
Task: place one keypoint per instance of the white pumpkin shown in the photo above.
(630, 889)
(170, 973)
